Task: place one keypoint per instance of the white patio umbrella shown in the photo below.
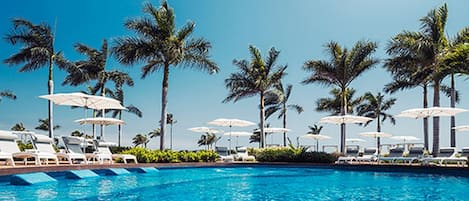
(344, 119)
(461, 128)
(204, 129)
(354, 140)
(83, 100)
(375, 135)
(237, 134)
(230, 123)
(317, 138)
(100, 121)
(405, 138)
(431, 111)
(274, 130)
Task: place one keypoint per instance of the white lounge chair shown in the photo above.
(415, 154)
(395, 153)
(103, 153)
(74, 150)
(242, 154)
(445, 155)
(224, 154)
(351, 154)
(44, 149)
(369, 155)
(9, 150)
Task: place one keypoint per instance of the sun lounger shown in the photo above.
(9, 150)
(351, 154)
(394, 154)
(445, 155)
(223, 152)
(369, 155)
(415, 154)
(74, 150)
(44, 149)
(104, 153)
(242, 154)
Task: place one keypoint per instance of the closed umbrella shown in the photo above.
(230, 123)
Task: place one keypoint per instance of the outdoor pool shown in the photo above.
(247, 183)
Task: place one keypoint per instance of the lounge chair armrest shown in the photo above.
(31, 151)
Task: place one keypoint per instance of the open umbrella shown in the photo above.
(461, 128)
(317, 138)
(230, 123)
(354, 140)
(237, 134)
(100, 121)
(376, 135)
(204, 129)
(274, 130)
(405, 138)
(344, 119)
(431, 111)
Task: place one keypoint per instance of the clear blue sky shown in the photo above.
(298, 28)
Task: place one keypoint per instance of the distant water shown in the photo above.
(259, 183)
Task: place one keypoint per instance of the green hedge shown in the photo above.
(291, 154)
(156, 156)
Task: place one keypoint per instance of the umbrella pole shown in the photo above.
(229, 142)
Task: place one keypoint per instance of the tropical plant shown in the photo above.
(154, 133)
(37, 51)
(44, 125)
(277, 101)
(343, 67)
(140, 139)
(208, 139)
(77, 133)
(315, 130)
(161, 46)
(256, 134)
(333, 104)
(7, 94)
(18, 127)
(255, 77)
(375, 107)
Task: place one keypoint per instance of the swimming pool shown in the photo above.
(247, 183)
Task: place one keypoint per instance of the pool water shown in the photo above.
(248, 183)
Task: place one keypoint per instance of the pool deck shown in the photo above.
(443, 170)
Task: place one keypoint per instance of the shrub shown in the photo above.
(291, 154)
(168, 156)
(22, 146)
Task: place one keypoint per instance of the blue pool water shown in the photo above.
(248, 183)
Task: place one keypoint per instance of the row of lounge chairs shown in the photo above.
(43, 151)
(415, 154)
(241, 154)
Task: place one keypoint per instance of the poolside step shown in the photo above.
(80, 174)
(30, 178)
(145, 170)
(117, 171)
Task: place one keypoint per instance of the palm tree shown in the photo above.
(44, 125)
(37, 51)
(18, 127)
(315, 130)
(255, 77)
(343, 67)
(154, 133)
(208, 139)
(161, 46)
(140, 139)
(256, 134)
(171, 121)
(375, 107)
(7, 94)
(333, 104)
(276, 101)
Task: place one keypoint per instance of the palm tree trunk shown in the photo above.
(262, 116)
(425, 120)
(284, 125)
(343, 111)
(164, 102)
(436, 120)
(453, 119)
(50, 87)
(103, 91)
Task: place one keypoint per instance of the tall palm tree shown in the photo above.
(277, 101)
(333, 104)
(161, 46)
(37, 51)
(375, 107)
(7, 94)
(18, 127)
(255, 77)
(140, 139)
(343, 67)
(44, 125)
(315, 130)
